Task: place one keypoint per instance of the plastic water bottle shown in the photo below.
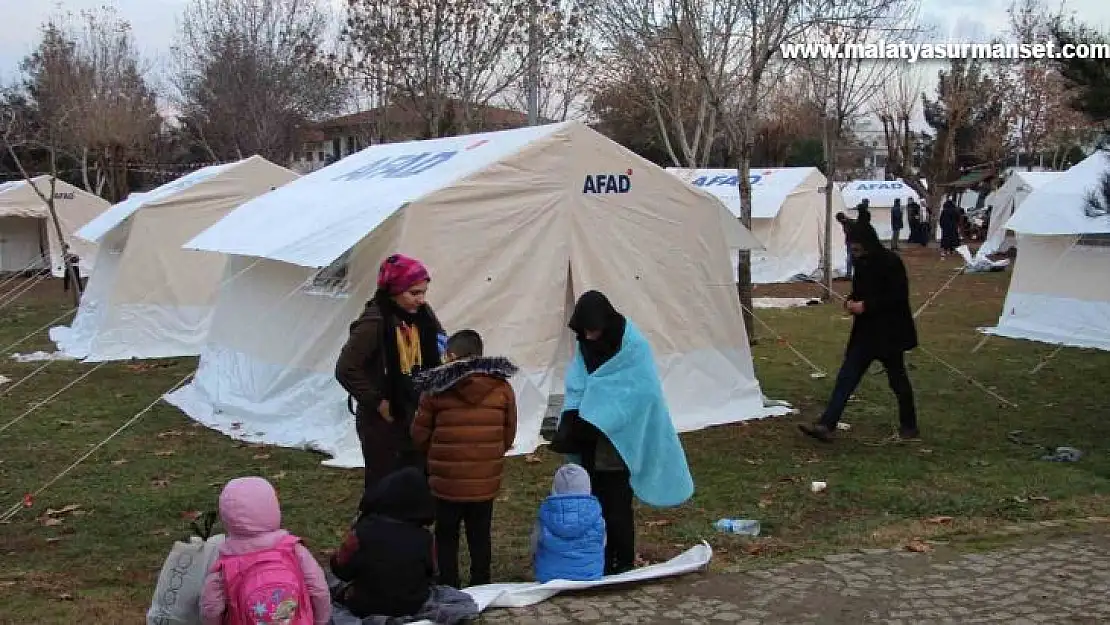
(743, 527)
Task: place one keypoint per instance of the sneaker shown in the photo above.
(818, 431)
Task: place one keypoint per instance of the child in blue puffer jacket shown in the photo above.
(568, 541)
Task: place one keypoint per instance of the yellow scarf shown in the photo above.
(408, 348)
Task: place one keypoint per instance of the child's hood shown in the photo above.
(570, 516)
(403, 496)
(249, 507)
(471, 378)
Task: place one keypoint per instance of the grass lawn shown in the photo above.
(99, 564)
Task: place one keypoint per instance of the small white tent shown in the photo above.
(28, 237)
(880, 196)
(1060, 289)
(788, 218)
(1004, 201)
(148, 297)
(513, 226)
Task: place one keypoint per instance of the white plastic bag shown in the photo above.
(177, 595)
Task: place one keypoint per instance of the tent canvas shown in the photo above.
(513, 225)
(149, 298)
(1059, 292)
(880, 195)
(788, 218)
(1004, 202)
(27, 234)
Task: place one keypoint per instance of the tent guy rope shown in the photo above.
(781, 339)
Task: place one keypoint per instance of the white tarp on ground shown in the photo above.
(149, 298)
(27, 233)
(513, 226)
(880, 196)
(1060, 289)
(1004, 201)
(788, 218)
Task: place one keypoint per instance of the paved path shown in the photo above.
(1060, 581)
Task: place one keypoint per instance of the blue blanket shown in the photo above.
(624, 399)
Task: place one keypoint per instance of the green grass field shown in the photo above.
(98, 562)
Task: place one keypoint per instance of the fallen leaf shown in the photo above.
(51, 521)
(7, 584)
(53, 540)
(161, 532)
(65, 596)
(159, 483)
(191, 515)
(1039, 498)
(755, 549)
(28, 500)
(533, 459)
(163, 454)
(939, 520)
(765, 501)
(260, 456)
(918, 546)
(67, 423)
(278, 475)
(658, 523)
(119, 462)
(169, 433)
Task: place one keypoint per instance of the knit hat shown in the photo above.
(571, 479)
(399, 272)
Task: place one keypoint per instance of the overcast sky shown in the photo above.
(154, 22)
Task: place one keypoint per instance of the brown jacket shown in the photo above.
(359, 368)
(465, 424)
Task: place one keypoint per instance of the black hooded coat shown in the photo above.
(388, 556)
(886, 325)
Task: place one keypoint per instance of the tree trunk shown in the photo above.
(830, 176)
(743, 169)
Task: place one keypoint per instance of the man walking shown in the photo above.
(883, 329)
(896, 222)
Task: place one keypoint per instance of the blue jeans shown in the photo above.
(856, 362)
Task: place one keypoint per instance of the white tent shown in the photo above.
(788, 218)
(1060, 289)
(513, 226)
(1004, 201)
(880, 195)
(149, 298)
(27, 233)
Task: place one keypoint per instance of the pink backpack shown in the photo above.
(266, 587)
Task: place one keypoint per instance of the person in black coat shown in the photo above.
(883, 330)
(896, 222)
(387, 560)
(949, 228)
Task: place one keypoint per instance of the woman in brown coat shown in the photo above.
(466, 423)
(395, 337)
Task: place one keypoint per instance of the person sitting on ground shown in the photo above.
(237, 590)
(465, 423)
(568, 540)
(387, 560)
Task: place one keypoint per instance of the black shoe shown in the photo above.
(909, 435)
(818, 431)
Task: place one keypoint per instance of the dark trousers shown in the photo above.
(386, 447)
(849, 262)
(894, 238)
(477, 516)
(614, 491)
(856, 362)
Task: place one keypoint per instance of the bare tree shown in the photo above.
(250, 73)
(449, 59)
(1032, 102)
(844, 88)
(87, 72)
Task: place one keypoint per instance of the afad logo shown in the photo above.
(400, 166)
(608, 183)
(727, 180)
(875, 186)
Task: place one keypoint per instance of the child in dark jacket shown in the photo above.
(568, 541)
(387, 558)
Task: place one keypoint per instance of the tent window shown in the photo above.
(332, 280)
(1094, 240)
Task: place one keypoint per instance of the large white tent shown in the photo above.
(1060, 289)
(788, 219)
(513, 226)
(1004, 201)
(28, 236)
(148, 297)
(880, 196)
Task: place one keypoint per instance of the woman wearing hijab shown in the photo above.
(949, 228)
(631, 446)
(396, 336)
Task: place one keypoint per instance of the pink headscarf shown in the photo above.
(399, 272)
